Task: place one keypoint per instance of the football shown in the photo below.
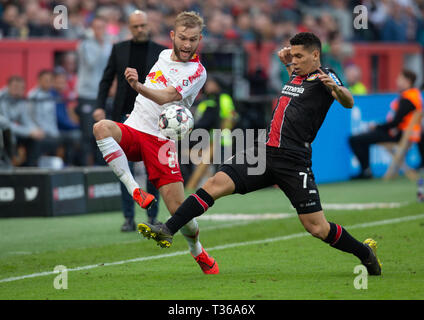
(176, 122)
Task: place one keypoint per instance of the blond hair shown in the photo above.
(189, 19)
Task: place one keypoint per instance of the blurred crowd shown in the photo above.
(40, 123)
(54, 118)
(388, 20)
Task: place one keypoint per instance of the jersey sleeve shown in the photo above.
(332, 74)
(190, 84)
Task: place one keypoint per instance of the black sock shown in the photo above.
(340, 239)
(195, 205)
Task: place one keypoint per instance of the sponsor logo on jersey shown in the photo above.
(313, 77)
(292, 91)
(197, 73)
(157, 77)
(334, 77)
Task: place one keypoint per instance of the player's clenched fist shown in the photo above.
(131, 76)
(285, 55)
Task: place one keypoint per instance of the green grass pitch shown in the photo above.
(258, 259)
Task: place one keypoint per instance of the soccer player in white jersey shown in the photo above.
(176, 78)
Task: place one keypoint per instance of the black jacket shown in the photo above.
(118, 62)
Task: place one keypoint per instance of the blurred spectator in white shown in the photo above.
(43, 107)
(43, 112)
(15, 108)
(353, 80)
(93, 54)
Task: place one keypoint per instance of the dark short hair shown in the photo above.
(410, 75)
(43, 72)
(15, 78)
(307, 39)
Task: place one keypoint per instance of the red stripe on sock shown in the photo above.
(202, 203)
(338, 234)
(192, 237)
(112, 156)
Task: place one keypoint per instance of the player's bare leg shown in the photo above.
(173, 196)
(196, 204)
(335, 235)
(108, 136)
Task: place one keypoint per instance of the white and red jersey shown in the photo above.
(187, 77)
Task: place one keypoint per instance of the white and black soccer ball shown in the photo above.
(176, 122)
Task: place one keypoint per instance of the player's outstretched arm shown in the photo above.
(340, 93)
(160, 96)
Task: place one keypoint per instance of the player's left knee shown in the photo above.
(174, 206)
(219, 185)
(317, 230)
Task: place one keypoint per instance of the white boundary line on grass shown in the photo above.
(222, 247)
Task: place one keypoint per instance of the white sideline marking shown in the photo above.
(221, 247)
(325, 206)
(362, 206)
(244, 216)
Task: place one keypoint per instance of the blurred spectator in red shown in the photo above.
(70, 135)
(68, 67)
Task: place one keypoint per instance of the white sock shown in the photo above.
(191, 233)
(117, 160)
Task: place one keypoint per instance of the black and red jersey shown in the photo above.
(299, 113)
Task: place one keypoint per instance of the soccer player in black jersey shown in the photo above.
(300, 111)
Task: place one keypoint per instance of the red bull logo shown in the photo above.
(157, 77)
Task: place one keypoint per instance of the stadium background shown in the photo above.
(240, 43)
(239, 46)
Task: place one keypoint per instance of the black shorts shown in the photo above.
(296, 180)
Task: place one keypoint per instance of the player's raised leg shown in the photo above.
(337, 237)
(108, 136)
(173, 196)
(195, 205)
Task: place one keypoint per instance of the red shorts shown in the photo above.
(159, 155)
